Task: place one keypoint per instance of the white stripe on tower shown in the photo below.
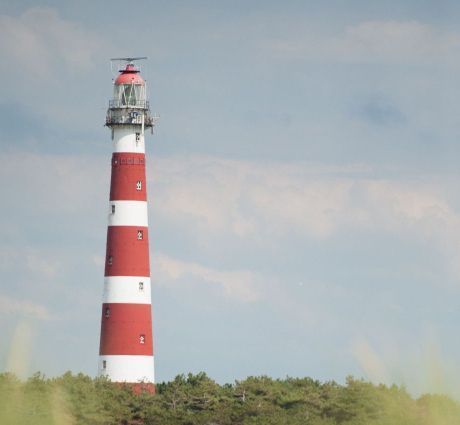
(127, 140)
(127, 289)
(132, 368)
(128, 213)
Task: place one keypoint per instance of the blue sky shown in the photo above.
(303, 186)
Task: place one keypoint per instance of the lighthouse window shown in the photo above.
(138, 138)
(141, 339)
(104, 364)
(139, 185)
(107, 312)
(113, 209)
(140, 235)
(129, 94)
(110, 260)
(141, 286)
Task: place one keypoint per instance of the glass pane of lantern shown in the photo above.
(117, 92)
(129, 94)
(139, 90)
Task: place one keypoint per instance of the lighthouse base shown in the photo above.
(143, 387)
(138, 387)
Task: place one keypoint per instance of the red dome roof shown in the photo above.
(130, 75)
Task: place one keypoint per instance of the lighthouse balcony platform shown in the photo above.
(132, 103)
(129, 116)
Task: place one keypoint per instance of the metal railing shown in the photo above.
(115, 117)
(141, 104)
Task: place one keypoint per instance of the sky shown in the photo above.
(303, 184)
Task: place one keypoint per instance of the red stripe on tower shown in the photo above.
(128, 177)
(126, 329)
(126, 343)
(127, 251)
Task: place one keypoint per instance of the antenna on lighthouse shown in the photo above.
(128, 60)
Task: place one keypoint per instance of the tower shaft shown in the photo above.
(126, 342)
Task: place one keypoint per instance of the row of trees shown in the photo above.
(197, 399)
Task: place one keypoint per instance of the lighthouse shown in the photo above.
(126, 341)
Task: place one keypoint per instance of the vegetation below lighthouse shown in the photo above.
(197, 399)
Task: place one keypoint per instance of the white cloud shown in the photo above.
(9, 306)
(55, 183)
(239, 285)
(375, 41)
(399, 204)
(39, 39)
(250, 200)
(399, 40)
(213, 199)
(44, 266)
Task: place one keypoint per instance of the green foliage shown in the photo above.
(198, 400)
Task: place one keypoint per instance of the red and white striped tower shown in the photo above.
(126, 346)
